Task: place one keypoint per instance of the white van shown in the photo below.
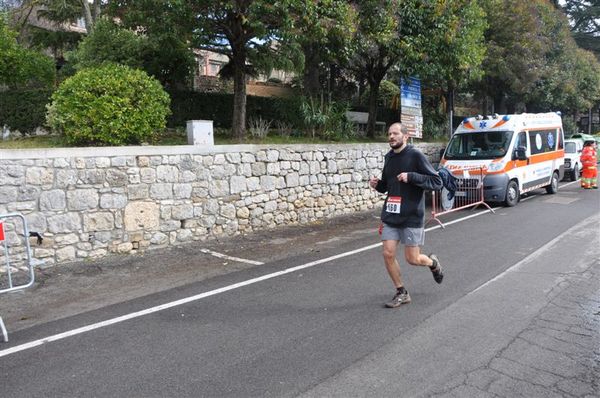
(516, 153)
(573, 148)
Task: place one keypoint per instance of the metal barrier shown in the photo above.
(15, 256)
(469, 193)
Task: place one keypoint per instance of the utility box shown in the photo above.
(200, 132)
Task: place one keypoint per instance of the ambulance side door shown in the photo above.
(521, 167)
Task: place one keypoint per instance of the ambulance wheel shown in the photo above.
(512, 194)
(553, 187)
(575, 173)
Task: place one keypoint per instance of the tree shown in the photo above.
(61, 11)
(20, 67)
(557, 82)
(533, 63)
(252, 34)
(394, 33)
(109, 43)
(323, 29)
(167, 26)
(515, 53)
(457, 50)
(585, 23)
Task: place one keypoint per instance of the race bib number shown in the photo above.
(393, 204)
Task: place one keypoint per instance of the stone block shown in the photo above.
(100, 221)
(182, 212)
(8, 194)
(161, 191)
(64, 223)
(218, 188)
(167, 173)
(182, 191)
(141, 216)
(136, 192)
(82, 199)
(237, 184)
(113, 201)
(39, 176)
(28, 193)
(116, 178)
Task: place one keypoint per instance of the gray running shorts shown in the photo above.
(406, 236)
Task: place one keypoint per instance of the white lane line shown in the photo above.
(84, 329)
(172, 304)
(226, 257)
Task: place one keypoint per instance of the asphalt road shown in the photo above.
(310, 320)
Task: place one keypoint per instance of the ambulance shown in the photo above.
(513, 154)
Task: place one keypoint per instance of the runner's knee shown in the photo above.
(412, 258)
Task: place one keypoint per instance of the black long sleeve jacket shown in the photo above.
(404, 206)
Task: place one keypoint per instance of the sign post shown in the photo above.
(411, 114)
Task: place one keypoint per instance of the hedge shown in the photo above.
(24, 110)
(191, 105)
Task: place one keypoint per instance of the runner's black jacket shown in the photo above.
(421, 176)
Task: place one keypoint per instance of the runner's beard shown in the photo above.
(395, 144)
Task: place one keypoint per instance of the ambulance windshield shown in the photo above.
(478, 145)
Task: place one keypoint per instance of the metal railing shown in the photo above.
(469, 194)
(16, 267)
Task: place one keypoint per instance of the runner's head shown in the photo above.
(397, 136)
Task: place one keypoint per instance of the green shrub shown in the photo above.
(20, 67)
(109, 43)
(111, 104)
(24, 110)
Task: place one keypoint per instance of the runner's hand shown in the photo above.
(373, 181)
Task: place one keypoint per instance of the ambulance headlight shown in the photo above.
(495, 167)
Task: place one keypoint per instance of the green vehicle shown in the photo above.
(582, 136)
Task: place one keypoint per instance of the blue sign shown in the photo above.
(410, 92)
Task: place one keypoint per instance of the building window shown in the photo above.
(214, 68)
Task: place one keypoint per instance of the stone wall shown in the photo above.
(90, 202)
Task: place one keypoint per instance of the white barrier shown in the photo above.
(15, 256)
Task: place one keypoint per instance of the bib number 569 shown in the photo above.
(393, 204)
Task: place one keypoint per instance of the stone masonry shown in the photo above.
(91, 202)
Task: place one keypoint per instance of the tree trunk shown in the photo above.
(450, 108)
(312, 85)
(87, 15)
(500, 104)
(372, 108)
(96, 15)
(238, 124)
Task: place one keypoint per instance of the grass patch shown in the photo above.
(179, 137)
(44, 141)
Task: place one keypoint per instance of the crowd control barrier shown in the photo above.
(468, 194)
(16, 266)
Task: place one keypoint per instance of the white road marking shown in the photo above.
(226, 257)
(84, 329)
(176, 303)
